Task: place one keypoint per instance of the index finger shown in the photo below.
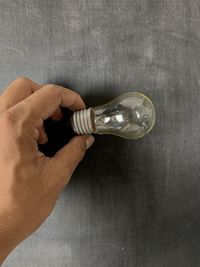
(17, 91)
(43, 103)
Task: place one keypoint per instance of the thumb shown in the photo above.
(66, 160)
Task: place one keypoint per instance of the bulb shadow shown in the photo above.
(119, 176)
(108, 159)
(116, 176)
(112, 160)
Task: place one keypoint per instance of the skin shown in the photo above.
(30, 182)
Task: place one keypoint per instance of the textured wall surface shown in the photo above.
(130, 203)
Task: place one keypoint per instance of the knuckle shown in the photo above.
(21, 80)
(79, 98)
(4, 104)
(25, 110)
(14, 124)
(22, 112)
(7, 118)
(52, 87)
(25, 105)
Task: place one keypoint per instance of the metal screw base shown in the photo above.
(81, 122)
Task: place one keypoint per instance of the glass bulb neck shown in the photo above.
(82, 121)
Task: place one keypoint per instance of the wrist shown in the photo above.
(8, 238)
(6, 247)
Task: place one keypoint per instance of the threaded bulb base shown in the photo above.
(81, 121)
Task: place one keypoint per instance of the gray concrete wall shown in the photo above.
(130, 203)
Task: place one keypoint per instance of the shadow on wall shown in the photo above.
(112, 161)
(107, 159)
(116, 177)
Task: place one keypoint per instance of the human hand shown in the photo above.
(30, 182)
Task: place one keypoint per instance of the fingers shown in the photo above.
(44, 102)
(17, 91)
(43, 139)
(20, 89)
(57, 115)
(66, 160)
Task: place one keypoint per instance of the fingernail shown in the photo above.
(89, 141)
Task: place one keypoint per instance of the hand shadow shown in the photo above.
(108, 160)
(59, 133)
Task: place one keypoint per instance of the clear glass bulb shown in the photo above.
(130, 115)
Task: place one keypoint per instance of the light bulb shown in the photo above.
(130, 115)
